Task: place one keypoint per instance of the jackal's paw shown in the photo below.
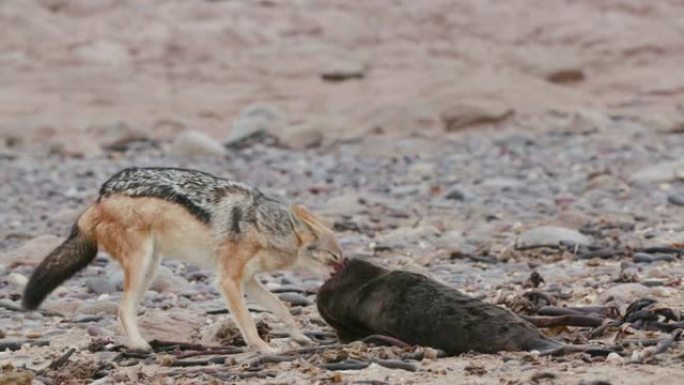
(263, 348)
(139, 347)
(301, 339)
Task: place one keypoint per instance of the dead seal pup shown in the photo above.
(362, 299)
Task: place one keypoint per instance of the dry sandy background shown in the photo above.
(596, 85)
(69, 67)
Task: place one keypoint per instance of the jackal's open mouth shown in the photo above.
(339, 266)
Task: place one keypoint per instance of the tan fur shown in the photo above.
(136, 232)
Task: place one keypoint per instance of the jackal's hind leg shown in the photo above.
(139, 269)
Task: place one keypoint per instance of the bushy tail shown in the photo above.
(77, 251)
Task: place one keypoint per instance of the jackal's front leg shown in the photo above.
(232, 261)
(268, 300)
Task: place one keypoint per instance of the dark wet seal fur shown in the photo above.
(362, 299)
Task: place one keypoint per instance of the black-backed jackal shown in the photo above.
(143, 214)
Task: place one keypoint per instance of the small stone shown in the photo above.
(642, 257)
(456, 195)
(294, 299)
(78, 8)
(552, 236)
(31, 252)
(586, 121)
(666, 238)
(34, 334)
(625, 293)
(301, 136)
(341, 70)
(255, 118)
(85, 318)
(659, 172)
(502, 183)
(102, 52)
(614, 359)
(33, 315)
(118, 136)
(167, 282)
(102, 307)
(75, 147)
(100, 285)
(115, 275)
(68, 305)
(474, 113)
(17, 280)
(607, 182)
(191, 144)
(655, 282)
(399, 237)
(337, 378)
(430, 353)
(677, 200)
(345, 204)
(565, 75)
(99, 331)
(459, 248)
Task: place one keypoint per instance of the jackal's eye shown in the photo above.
(335, 256)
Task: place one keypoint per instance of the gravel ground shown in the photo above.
(526, 152)
(453, 208)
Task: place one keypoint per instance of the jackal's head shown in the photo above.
(319, 250)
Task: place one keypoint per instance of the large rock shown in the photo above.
(31, 252)
(255, 118)
(660, 172)
(552, 236)
(192, 144)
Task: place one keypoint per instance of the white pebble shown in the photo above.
(17, 280)
(614, 359)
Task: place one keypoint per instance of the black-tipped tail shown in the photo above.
(77, 251)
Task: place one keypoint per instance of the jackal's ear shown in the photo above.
(313, 222)
(303, 214)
